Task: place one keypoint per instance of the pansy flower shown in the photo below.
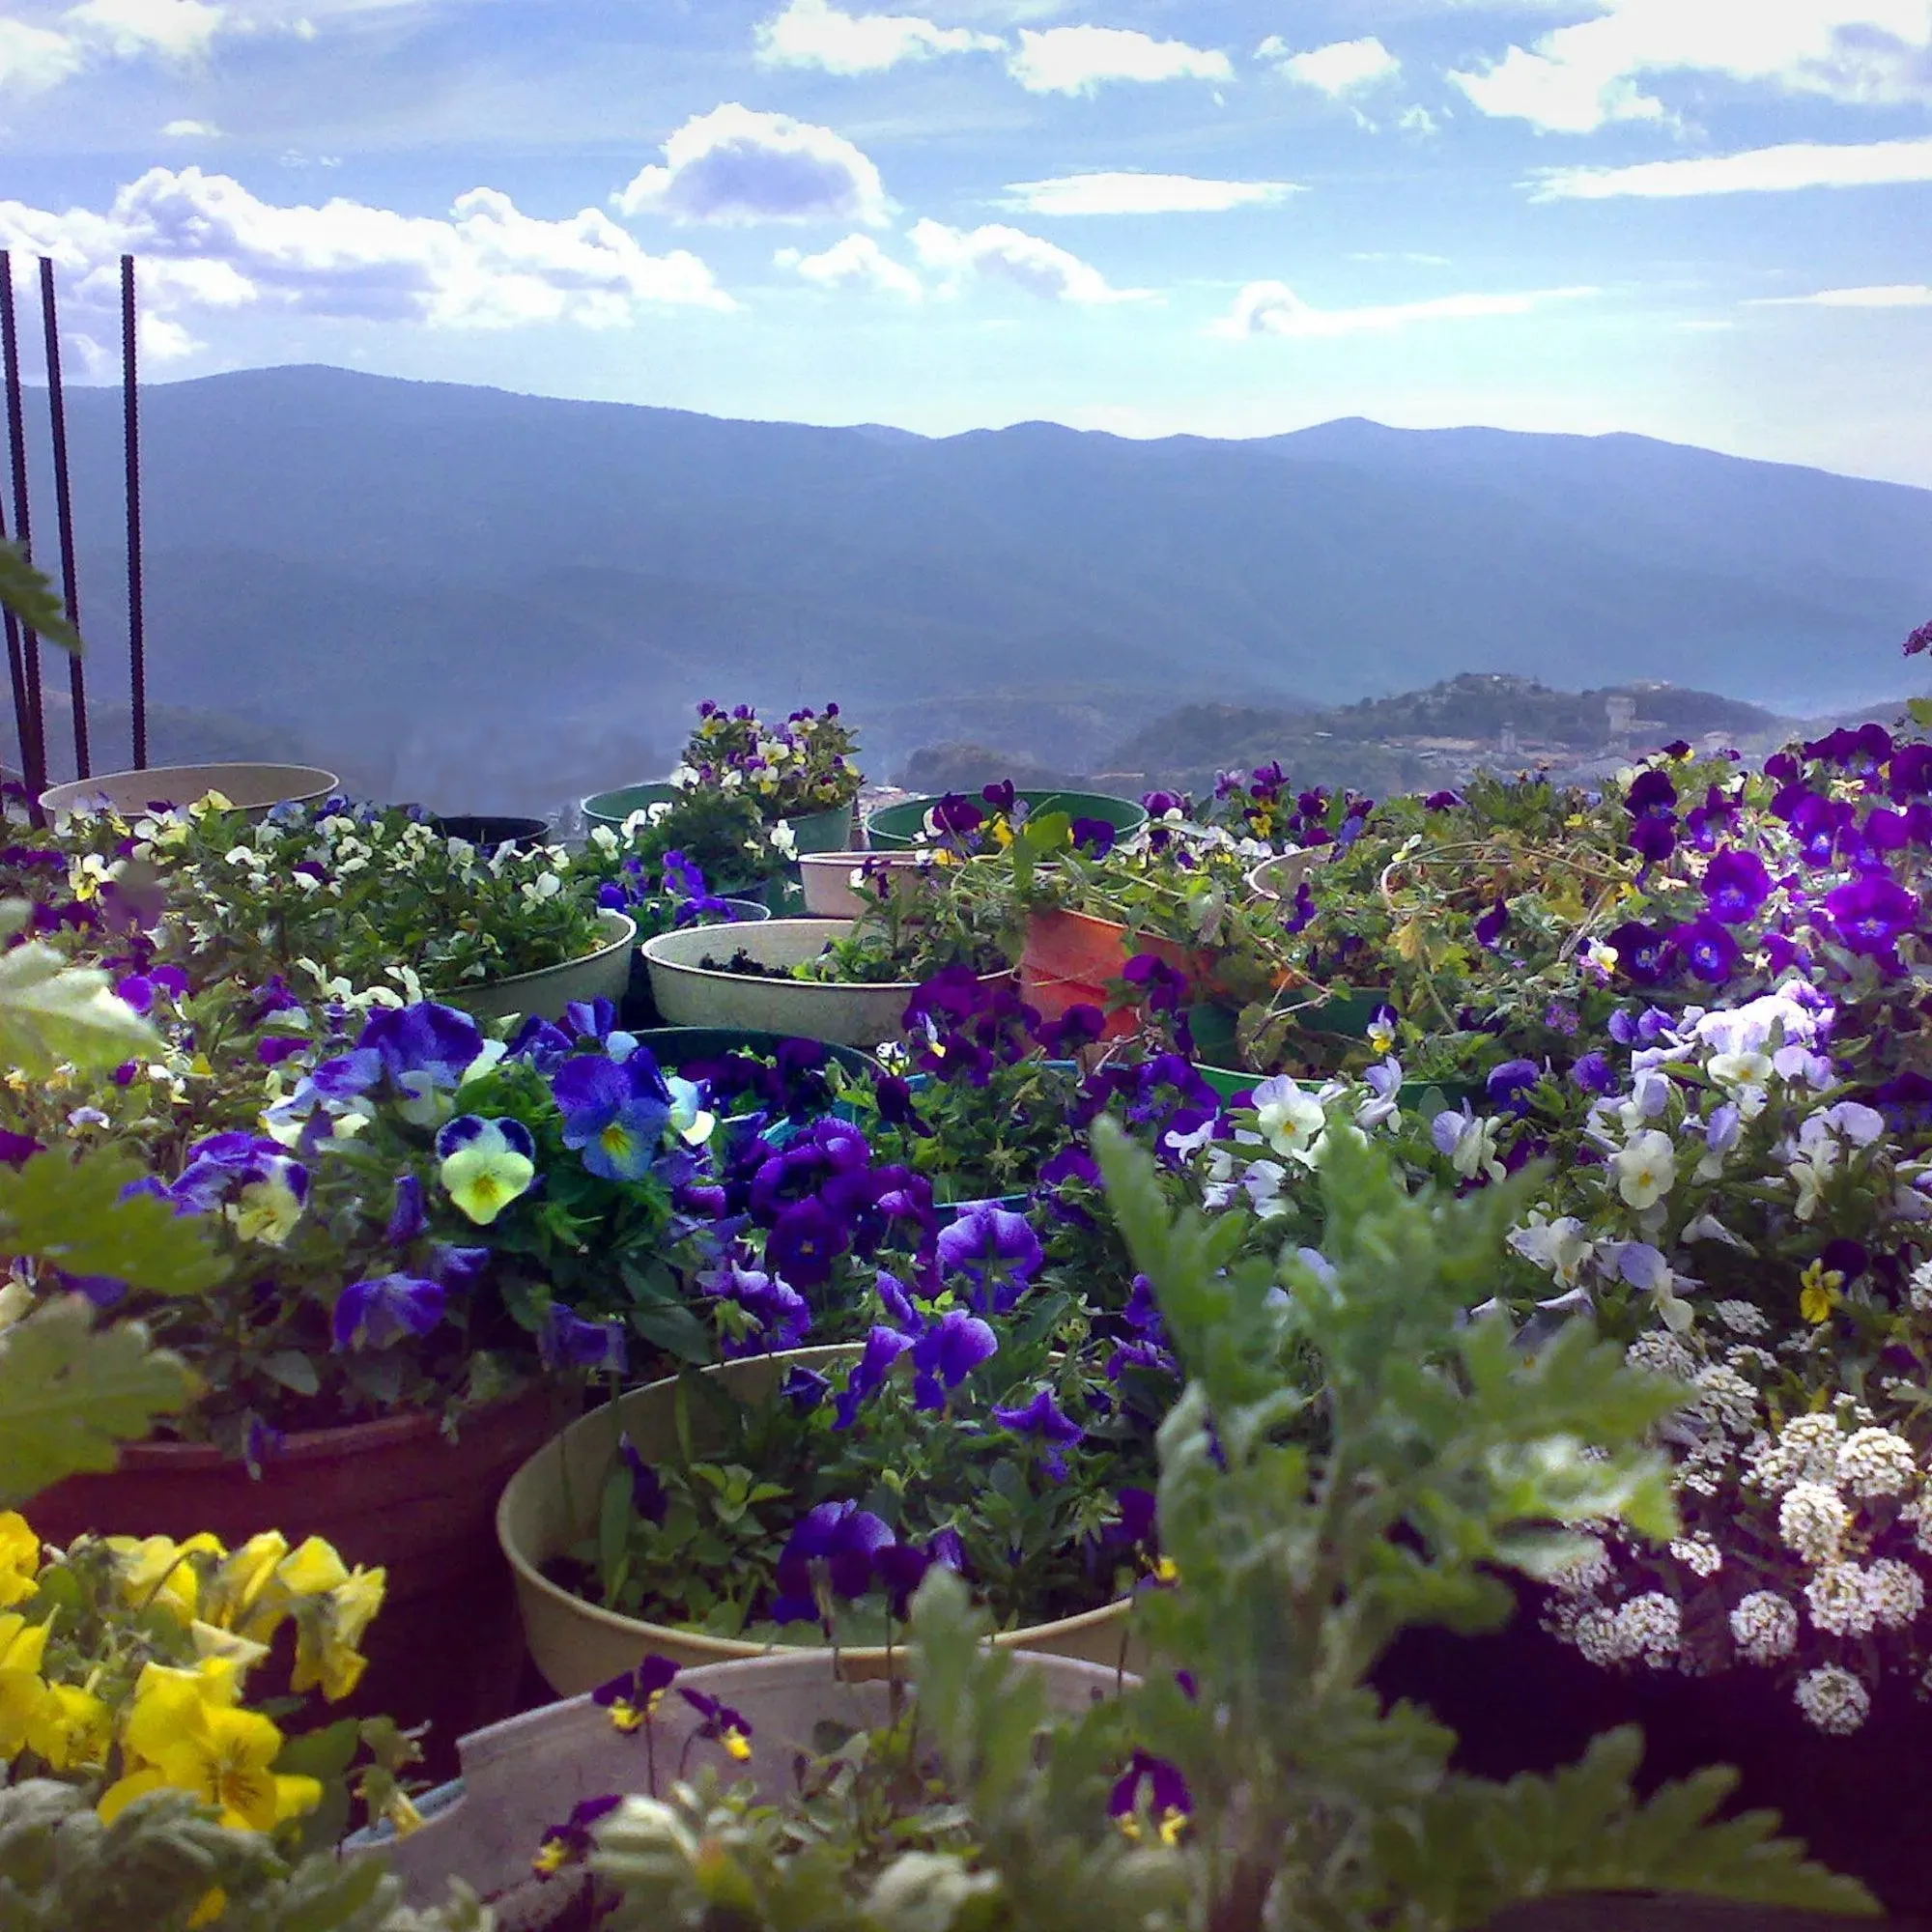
(867, 1377)
(614, 1113)
(375, 1314)
(1152, 1792)
(485, 1164)
(1044, 1422)
(633, 1700)
(567, 1341)
(571, 1842)
(831, 1551)
(949, 1352)
(996, 1250)
(719, 1723)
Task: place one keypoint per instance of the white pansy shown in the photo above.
(784, 840)
(605, 838)
(1289, 1116)
(1560, 1247)
(1735, 1070)
(1646, 1169)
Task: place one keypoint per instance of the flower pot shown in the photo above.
(551, 1502)
(689, 994)
(487, 833)
(1281, 877)
(823, 830)
(602, 975)
(679, 1047)
(613, 808)
(899, 828)
(250, 788)
(826, 878)
(1070, 956)
(395, 1493)
(522, 1775)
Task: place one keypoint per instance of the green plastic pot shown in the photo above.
(824, 831)
(1411, 1095)
(899, 828)
(612, 807)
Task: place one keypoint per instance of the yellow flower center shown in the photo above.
(737, 1745)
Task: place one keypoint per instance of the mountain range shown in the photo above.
(486, 599)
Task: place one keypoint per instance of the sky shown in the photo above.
(1707, 221)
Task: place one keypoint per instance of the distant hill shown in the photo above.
(496, 599)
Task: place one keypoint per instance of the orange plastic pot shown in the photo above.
(1070, 956)
(447, 1647)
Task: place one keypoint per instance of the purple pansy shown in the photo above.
(1044, 1421)
(996, 1250)
(949, 1352)
(833, 1548)
(614, 1113)
(883, 1347)
(377, 1313)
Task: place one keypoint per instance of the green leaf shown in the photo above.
(69, 1393)
(292, 1370)
(33, 599)
(51, 1011)
(676, 1330)
(74, 1214)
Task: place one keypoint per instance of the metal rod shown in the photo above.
(33, 752)
(76, 670)
(137, 637)
(17, 672)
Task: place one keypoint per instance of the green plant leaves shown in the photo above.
(32, 598)
(51, 1011)
(69, 1394)
(78, 1215)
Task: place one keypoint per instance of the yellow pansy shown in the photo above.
(240, 1595)
(19, 1559)
(22, 1694)
(313, 1569)
(72, 1730)
(223, 1756)
(212, 1642)
(329, 1633)
(166, 1700)
(1818, 1293)
(157, 1569)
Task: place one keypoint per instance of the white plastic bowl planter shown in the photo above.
(525, 1775)
(690, 994)
(1280, 877)
(602, 975)
(826, 878)
(551, 1505)
(251, 788)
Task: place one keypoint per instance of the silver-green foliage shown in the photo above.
(155, 1867)
(1310, 1521)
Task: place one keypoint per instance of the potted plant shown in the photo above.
(962, 824)
(250, 790)
(799, 773)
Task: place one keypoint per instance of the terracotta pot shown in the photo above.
(446, 1647)
(1070, 958)
(551, 1502)
(521, 1777)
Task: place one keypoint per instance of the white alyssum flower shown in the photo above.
(1662, 1353)
(1601, 1638)
(1646, 1169)
(1833, 1699)
(1805, 1450)
(1726, 1399)
(1764, 1627)
(1895, 1591)
(1840, 1601)
(1698, 1554)
(1587, 1570)
(1741, 1318)
(1812, 1519)
(1876, 1463)
(1650, 1626)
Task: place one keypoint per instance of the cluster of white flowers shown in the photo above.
(1764, 1627)
(1833, 1699)
(1812, 1519)
(1698, 1554)
(1876, 1463)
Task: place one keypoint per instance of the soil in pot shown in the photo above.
(446, 1646)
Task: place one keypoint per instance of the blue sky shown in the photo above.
(1703, 220)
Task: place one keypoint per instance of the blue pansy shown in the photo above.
(375, 1314)
(615, 1114)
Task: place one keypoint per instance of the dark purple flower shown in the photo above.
(1442, 801)
(1152, 1786)
(1001, 796)
(947, 1354)
(648, 1497)
(832, 1548)
(1078, 1027)
(1508, 1084)
(614, 1111)
(543, 1044)
(720, 1724)
(1653, 837)
(996, 1250)
(895, 1100)
(1642, 952)
(571, 1842)
(633, 1700)
(1592, 1075)
(567, 1341)
(1158, 804)
(1490, 928)
(805, 1241)
(804, 1388)
(277, 1047)
(16, 1149)
(1155, 984)
(426, 1040)
(780, 1312)
(457, 1268)
(406, 1219)
(1708, 949)
(1846, 1257)
(1651, 791)
(1736, 885)
(1142, 1313)
(1042, 1420)
(1094, 836)
(375, 1314)
(1871, 911)
(883, 1347)
(900, 1568)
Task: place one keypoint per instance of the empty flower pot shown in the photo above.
(251, 788)
(551, 1502)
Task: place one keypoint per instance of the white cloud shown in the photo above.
(812, 33)
(736, 165)
(1274, 308)
(190, 130)
(1141, 194)
(176, 29)
(1579, 77)
(856, 262)
(33, 59)
(1008, 254)
(1796, 164)
(1888, 295)
(1419, 121)
(1343, 67)
(204, 241)
(1076, 60)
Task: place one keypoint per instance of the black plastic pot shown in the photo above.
(488, 832)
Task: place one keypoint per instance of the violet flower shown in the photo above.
(1155, 1787)
(571, 1842)
(567, 1341)
(633, 1700)
(883, 1347)
(613, 1112)
(376, 1314)
(649, 1498)
(996, 1250)
(1736, 885)
(831, 1551)
(423, 1042)
(1870, 912)
(1708, 949)
(947, 1354)
(1044, 1421)
(406, 1219)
